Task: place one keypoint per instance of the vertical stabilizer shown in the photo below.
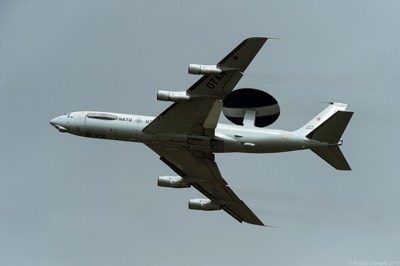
(321, 118)
(331, 130)
(328, 127)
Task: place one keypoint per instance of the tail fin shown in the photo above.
(328, 127)
(321, 118)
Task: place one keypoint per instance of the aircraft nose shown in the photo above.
(55, 122)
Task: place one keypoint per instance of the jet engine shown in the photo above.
(172, 181)
(239, 101)
(172, 96)
(203, 69)
(203, 205)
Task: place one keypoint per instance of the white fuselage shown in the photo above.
(228, 138)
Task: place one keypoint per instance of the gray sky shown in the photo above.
(66, 200)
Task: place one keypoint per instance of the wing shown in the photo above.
(202, 172)
(196, 119)
(199, 115)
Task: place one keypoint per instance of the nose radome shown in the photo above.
(55, 122)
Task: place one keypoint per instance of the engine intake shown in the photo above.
(203, 69)
(172, 96)
(203, 205)
(172, 181)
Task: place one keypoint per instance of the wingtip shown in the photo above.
(265, 38)
(274, 226)
(265, 225)
(256, 39)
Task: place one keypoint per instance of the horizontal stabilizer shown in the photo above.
(332, 129)
(334, 156)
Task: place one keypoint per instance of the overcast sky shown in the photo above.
(66, 200)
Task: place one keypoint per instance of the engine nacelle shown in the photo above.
(172, 181)
(203, 205)
(172, 96)
(203, 69)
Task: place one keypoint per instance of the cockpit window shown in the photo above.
(102, 116)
